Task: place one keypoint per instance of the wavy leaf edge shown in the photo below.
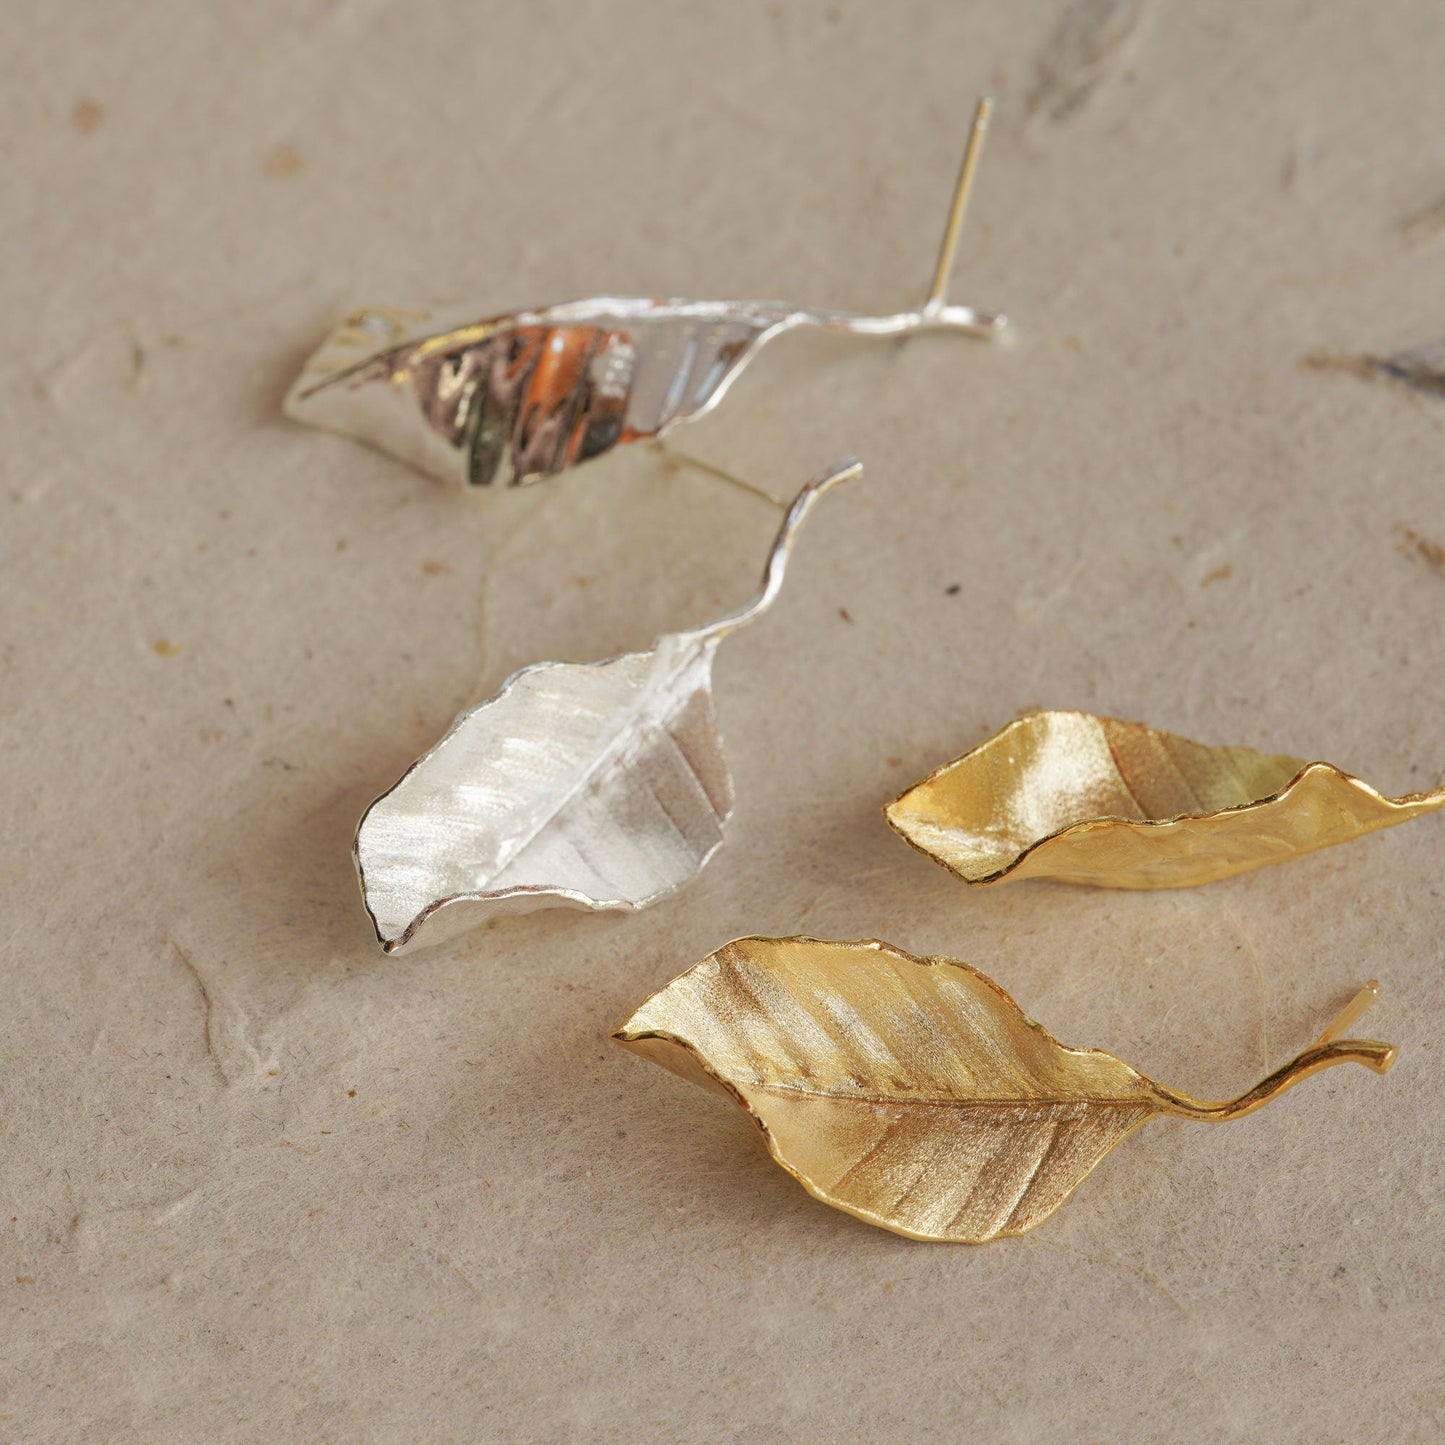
(398, 942)
(1327, 1051)
(1405, 802)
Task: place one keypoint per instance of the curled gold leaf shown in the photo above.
(913, 1092)
(1087, 799)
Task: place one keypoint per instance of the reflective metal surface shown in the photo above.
(1117, 804)
(913, 1092)
(601, 785)
(512, 399)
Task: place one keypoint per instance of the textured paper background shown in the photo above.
(261, 1183)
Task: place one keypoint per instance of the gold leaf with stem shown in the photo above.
(913, 1092)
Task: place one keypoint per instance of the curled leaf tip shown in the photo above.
(1085, 799)
(1378, 1057)
(777, 564)
(913, 1092)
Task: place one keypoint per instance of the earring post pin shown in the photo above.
(685, 459)
(1348, 1016)
(959, 208)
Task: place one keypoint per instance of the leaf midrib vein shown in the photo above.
(981, 1102)
(622, 733)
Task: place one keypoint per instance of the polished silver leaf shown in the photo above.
(601, 785)
(516, 398)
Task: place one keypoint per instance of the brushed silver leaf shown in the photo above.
(602, 785)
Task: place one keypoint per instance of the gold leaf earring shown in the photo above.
(1087, 799)
(512, 399)
(913, 1092)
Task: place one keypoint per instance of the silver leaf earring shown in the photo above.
(514, 399)
(601, 785)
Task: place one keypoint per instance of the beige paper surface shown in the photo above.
(261, 1183)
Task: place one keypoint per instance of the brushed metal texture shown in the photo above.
(601, 785)
(914, 1093)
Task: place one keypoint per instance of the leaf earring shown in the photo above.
(513, 399)
(602, 785)
(1088, 799)
(913, 1092)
